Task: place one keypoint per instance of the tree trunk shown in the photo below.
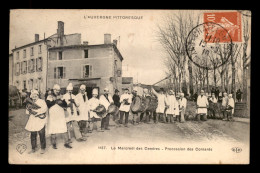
(207, 77)
(215, 77)
(227, 81)
(233, 86)
(190, 77)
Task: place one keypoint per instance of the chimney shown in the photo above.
(37, 37)
(115, 42)
(107, 38)
(85, 42)
(60, 31)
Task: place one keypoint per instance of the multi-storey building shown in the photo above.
(97, 66)
(63, 59)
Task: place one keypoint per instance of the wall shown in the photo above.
(34, 75)
(10, 69)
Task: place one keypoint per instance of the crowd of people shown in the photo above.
(62, 114)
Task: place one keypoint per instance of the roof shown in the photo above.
(86, 79)
(83, 46)
(33, 43)
(127, 80)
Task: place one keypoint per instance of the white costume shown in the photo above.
(162, 102)
(172, 104)
(36, 123)
(123, 107)
(214, 100)
(56, 120)
(93, 104)
(202, 101)
(106, 101)
(83, 106)
(69, 116)
(231, 103)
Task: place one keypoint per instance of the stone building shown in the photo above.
(96, 66)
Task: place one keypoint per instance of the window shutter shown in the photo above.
(41, 64)
(37, 59)
(90, 70)
(84, 71)
(29, 66)
(25, 66)
(55, 71)
(33, 65)
(64, 72)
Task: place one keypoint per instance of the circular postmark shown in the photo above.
(209, 45)
(245, 12)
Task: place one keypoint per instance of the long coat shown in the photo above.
(162, 102)
(56, 120)
(231, 103)
(83, 106)
(35, 123)
(69, 115)
(202, 102)
(172, 105)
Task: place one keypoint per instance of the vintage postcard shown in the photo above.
(129, 86)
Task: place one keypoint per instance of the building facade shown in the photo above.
(96, 66)
(11, 64)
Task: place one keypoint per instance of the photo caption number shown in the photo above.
(102, 147)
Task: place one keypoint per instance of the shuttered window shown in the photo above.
(24, 67)
(59, 72)
(17, 69)
(31, 66)
(87, 71)
(39, 64)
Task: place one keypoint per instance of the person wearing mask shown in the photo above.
(106, 100)
(124, 109)
(183, 105)
(170, 112)
(37, 122)
(93, 103)
(202, 105)
(162, 105)
(56, 121)
(82, 100)
(224, 105)
(230, 108)
(72, 114)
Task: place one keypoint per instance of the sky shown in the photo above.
(143, 55)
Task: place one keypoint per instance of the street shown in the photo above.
(191, 132)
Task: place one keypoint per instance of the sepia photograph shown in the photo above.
(128, 86)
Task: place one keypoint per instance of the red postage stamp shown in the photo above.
(228, 21)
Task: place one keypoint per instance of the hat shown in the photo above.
(82, 87)
(116, 90)
(56, 87)
(145, 90)
(182, 94)
(126, 89)
(69, 87)
(230, 95)
(135, 89)
(202, 91)
(106, 89)
(95, 91)
(33, 92)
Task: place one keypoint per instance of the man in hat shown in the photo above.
(230, 108)
(57, 121)
(124, 109)
(106, 100)
(170, 112)
(82, 100)
(202, 105)
(183, 105)
(72, 114)
(162, 105)
(224, 105)
(116, 99)
(37, 121)
(93, 103)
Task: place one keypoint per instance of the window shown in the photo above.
(60, 55)
(17, 55)
(32, 51)
(17, 84)
(85, 53)
(17, 69)
(39, 64)
(24, 67)
(31, 66)
(87, 71)
(24, 53)
(118, 73)
(40, 48)
(30, 84)
(59, 72)
(24, 84)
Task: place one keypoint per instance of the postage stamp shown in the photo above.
(231, 21)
